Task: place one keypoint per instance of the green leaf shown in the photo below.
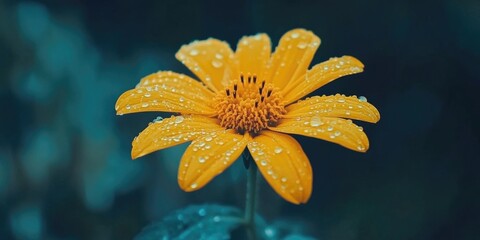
(195, 222)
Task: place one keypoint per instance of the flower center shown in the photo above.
(248, 105)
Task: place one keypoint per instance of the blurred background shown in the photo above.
(65, 168)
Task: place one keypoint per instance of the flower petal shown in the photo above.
(170, 132)
(334, 106)
(253, 53)
(211, 60)
(336, 130)
(292, 56)
(208, 156)
(166, 92)
(320, 75)
(283, 164)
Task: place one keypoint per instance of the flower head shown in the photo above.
(249, 99)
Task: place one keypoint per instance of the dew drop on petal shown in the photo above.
(201, 160)
(194, 185)
(216, 64)
(193, 52)
(263, 163)
(179, 119)
(295, 35)
(157, 119)
(208, 138)
(181, 99)
(302, 45)
(362, 99)
(278, 150)
(330, 128)
(315, 121)
(144, 105)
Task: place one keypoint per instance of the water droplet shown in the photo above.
(147, 94)
(179, 119)
(362, 99)
(295, 35)
(193, 52)
(337, 133)
(128, 107)
(329, 128)
(315, 121)
(341, 100)
(217, 219)
(216, 64)
(181, 99)
(263, 163)
(302, 45)
(218, 56)
(144, 105)
(194, 185)
(278, 150)
(208, 138)
(284, 179)
(202, 212)
(157, 119)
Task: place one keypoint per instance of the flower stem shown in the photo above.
(251, 198)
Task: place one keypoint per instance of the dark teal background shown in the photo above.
(65, 168)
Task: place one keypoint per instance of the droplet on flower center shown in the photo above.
(249, 105)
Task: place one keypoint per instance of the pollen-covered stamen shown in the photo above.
(248, 105)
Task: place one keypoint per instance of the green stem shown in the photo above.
(251, 198)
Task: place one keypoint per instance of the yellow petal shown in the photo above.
(320, 75)
(170, 132)
(336, 130)
(208, 156)
(283, 164)
(211, 60)
(334, 106)
(292, 56)
(253, 53)
(166, 92)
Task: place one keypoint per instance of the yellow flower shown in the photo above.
(247, 99)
